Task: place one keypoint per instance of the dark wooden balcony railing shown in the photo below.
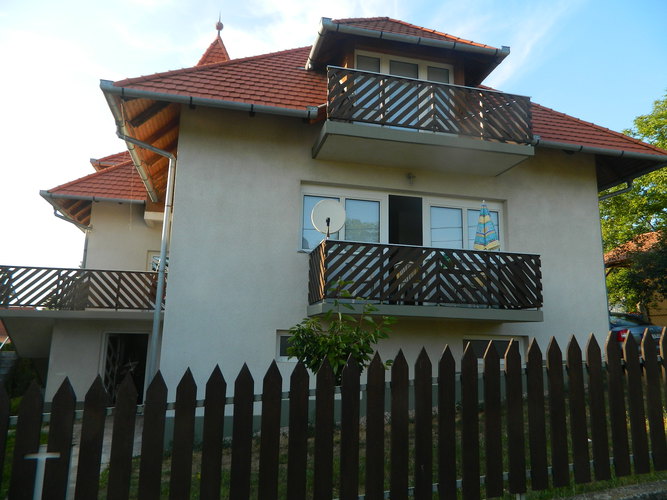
(361, 96)
(76, 289)
(397, 274)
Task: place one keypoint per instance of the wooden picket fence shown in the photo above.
(575, 421)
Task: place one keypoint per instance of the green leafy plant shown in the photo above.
(337, 336)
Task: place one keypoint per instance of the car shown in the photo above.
(622, 324)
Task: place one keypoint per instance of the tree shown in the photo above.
(644, 207)
(336, 336)
(641, 210)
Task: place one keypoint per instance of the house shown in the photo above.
(620, 257)
(389, 119)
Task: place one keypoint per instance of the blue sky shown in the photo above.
(601, 61)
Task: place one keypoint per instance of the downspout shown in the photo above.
(154, 344)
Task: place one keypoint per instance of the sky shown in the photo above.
(603, 61)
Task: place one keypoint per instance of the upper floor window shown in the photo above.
(402, 66)
(377, 217)
(362, 221)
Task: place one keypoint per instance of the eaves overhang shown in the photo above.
(328, 28)
(613, 166)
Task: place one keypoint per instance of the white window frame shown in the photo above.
(346, 193)
(422, 64)
(283, 359)
(463, 205)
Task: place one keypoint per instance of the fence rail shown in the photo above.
(402, 274)
(435, 443)
(380, 99)
(76, 289)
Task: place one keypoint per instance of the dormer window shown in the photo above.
(402, 66)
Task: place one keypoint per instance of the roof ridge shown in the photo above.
(405, 23)
(99, 173)
(205, 67)
(620, 135)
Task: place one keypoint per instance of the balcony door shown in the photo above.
(405, 220)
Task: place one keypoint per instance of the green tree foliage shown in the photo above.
(336, 336)
(643, 209)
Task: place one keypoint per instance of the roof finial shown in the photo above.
(219, 24)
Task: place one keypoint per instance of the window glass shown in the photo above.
(283, 344)
(446, 227)
(400, 68)
(311, 237)
(473, 218)
(437, 74)
(367, 63)
(362, 222)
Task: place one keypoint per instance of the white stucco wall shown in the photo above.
(119, 238)
(236, 276)
(78, 351)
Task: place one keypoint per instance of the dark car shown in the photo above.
(622, 324)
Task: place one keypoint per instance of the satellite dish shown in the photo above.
(328, 216)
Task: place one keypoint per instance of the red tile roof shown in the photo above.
(554, 126)
(120, 182)
(643, 243)
(110, 161)
(278, 79)
(215, 53)
(389, 25)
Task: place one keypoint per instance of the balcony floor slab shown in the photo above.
(397, 147)
(438, 311)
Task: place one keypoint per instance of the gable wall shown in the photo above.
(120, 239)
(236, 275)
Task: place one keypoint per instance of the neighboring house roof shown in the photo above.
(119, 183)
(619, 256)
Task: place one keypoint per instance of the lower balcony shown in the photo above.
(423, 282)
(76, 289)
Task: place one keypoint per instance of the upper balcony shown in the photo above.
(424, 282)
(387, 120)
(58, 289)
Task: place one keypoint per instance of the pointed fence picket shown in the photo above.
(402, 438)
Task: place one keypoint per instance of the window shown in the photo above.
(282, 345)
(311, 237)
(373, 217)
(455, 227)
(362, 221)
(405, 67)
(446, 227)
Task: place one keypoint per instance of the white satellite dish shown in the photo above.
(328, 216)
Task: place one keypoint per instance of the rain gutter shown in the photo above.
(309, 113)
(326, 24)
(56, 196)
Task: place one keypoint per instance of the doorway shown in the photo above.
(125, 353)
(405, 220)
